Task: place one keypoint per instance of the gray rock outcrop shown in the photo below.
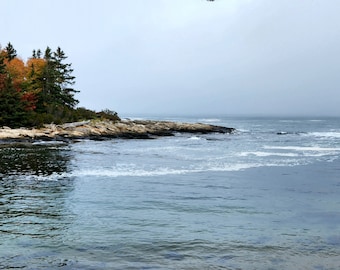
(95, 129)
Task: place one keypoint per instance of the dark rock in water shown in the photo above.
(102, 130)
(289, 133)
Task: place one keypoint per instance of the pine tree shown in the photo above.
(11, 52)
(12, 108)
(2, 65)
(46, 78)
(3, 74)
(57, 80)
(64, 79)
(38, 53)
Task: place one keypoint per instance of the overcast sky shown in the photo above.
(181, 57)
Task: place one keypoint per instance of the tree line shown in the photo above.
(39, 90)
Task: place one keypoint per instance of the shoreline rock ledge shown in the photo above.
(105, 129)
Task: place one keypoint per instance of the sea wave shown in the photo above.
(303, 148)
(267, 154)
(209, 120)
(329, 134)
(240, 130)
(195, 138)
(164, 171)
(316, 120)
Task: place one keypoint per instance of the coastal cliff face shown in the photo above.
(105, 129)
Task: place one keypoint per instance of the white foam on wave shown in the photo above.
(289, 121)
(303, 148)
(209, 120)
(56, 176)
(114, 173)
(163, 171)
(154, 172)
(267, 154)
(329, 134)
(195, 138)
(133, 172)
(49, 143)
(243, 130)
(235, 167)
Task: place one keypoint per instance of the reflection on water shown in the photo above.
(34, 160)
(33, 210)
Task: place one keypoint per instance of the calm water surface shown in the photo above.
(266, 197)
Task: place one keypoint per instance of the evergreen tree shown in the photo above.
(2, 65)
(64, 79)
(11, 52)
(36, 54)
(57, 81)
(12, 108)
(45, 95)
(3, 74)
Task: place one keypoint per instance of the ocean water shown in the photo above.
(264, 197)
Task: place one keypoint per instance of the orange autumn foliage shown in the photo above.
(34, 67)
(23, 77)
(16, 69)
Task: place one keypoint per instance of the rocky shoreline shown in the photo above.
(105, 129)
